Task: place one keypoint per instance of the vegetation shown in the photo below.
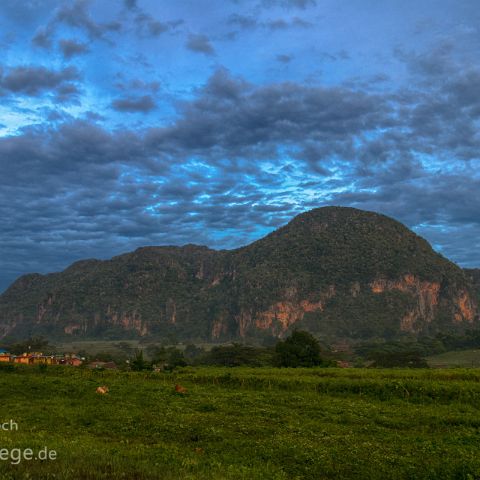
(138, 363)
(329, 255)
(411, 359)
(300, 349)
(411, 352)
(459, 358)
(441, 350)
(244, 423)
(236, 355)
(33, 344)
(474, 276)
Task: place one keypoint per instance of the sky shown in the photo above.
(126, 123)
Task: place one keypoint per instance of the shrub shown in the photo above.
(411, 359)
(301, 349)
(236, 355)
(138, 363)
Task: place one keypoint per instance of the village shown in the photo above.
(38, 358)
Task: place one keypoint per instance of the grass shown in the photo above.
(460, 358)
(244, 423)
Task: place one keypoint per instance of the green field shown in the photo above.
(460, 358)
(244, 423)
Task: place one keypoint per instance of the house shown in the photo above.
(25, 359)
(60, 359)
(73, 360)
(38, 358)
(5, 357)
(76, 361)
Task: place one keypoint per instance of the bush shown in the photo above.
(301, 349)
(138, 363)
(407, 359)
(236, 355)
(175, 358)
(170, 357)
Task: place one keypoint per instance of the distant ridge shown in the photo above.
(473, 275)
(336, 271)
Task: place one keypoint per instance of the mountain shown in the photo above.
(473, 274)
(336, 271)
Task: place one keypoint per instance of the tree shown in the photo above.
(33, 344)
(410, 359)
(175, 358)
(157, 354)
(236, 355)
(193, 353)
(170, 357)
(138, 363)
(300, 349)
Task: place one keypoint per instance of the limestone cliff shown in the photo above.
(339, 272)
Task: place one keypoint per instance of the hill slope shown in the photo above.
(339, 272)
(473, 274)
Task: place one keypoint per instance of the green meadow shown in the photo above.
(242, 423)
(459, 358)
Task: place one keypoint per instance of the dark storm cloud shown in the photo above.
(70, 48)
(142, 104)
(200, 43)
(33, 80)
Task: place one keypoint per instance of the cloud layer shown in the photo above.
(136, 125)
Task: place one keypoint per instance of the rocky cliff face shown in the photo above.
(473, 275)
(339, 272)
